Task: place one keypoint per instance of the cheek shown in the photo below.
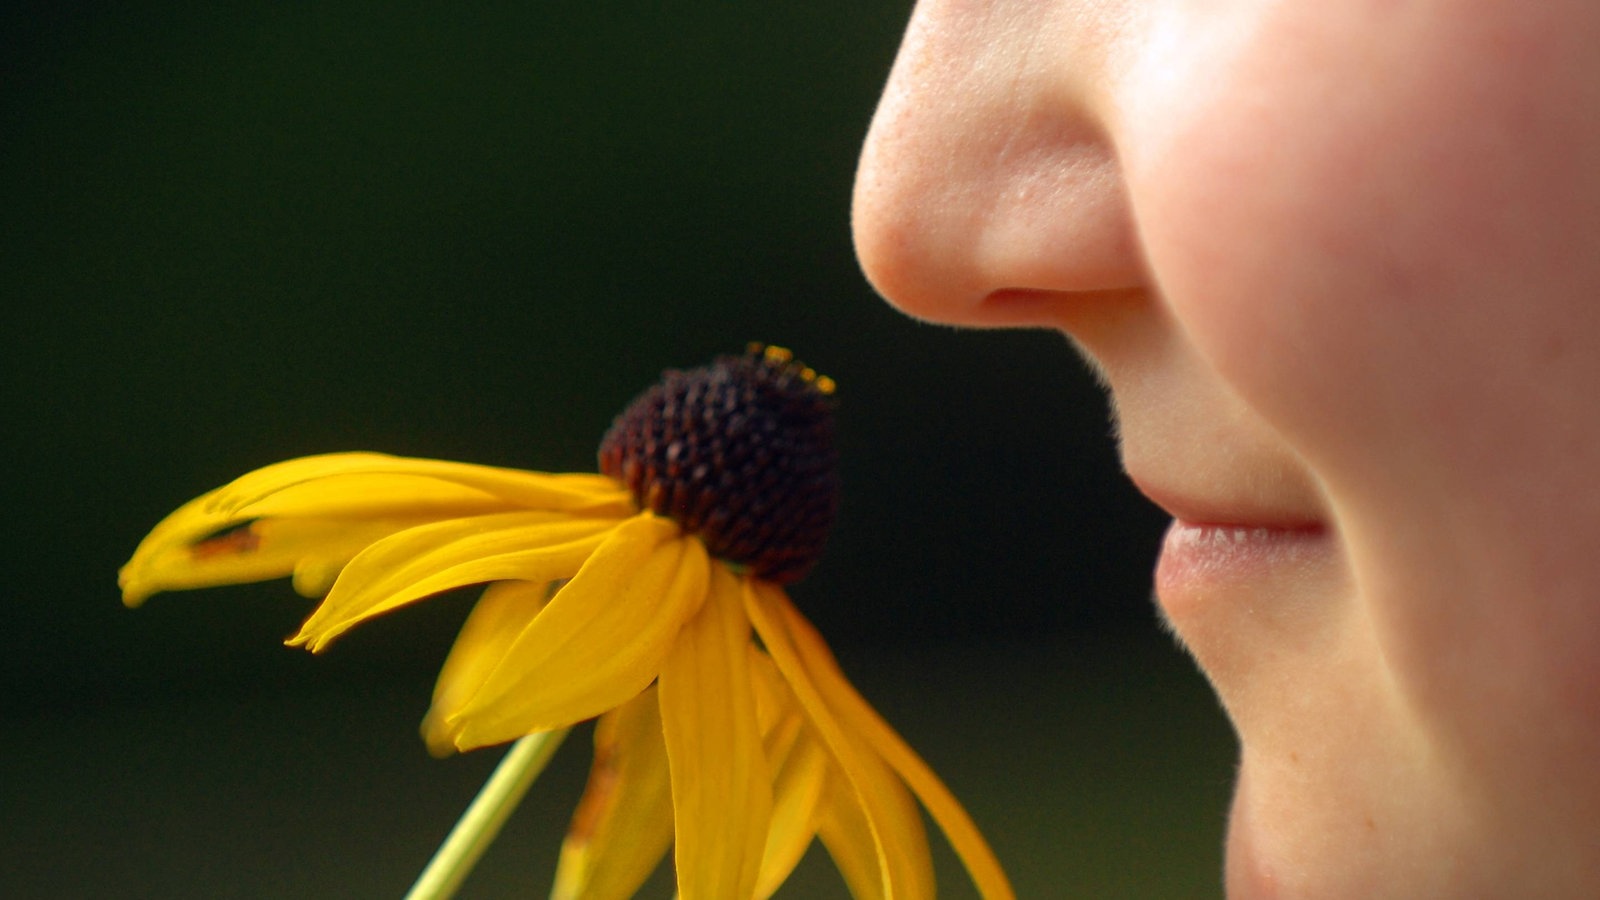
(1271, 231)
(1381, 247)
(1386, 247)
(1273, 276)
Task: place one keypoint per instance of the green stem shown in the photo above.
(478, 826)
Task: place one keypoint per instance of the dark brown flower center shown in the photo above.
(739, 452)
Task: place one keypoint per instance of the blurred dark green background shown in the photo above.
(237, 235)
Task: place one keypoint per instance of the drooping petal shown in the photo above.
(357, 487)
(843, 827)
(721, 789)
(774, 701)
(623, 825)
(494, 623)
(308, 548)
(895, 825)
(903, 864)
(798, 763)
(440, 556)
(796, 794)
(600, 640)
(858, 716)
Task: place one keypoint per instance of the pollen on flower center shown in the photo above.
(739, 452)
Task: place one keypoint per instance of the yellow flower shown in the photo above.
(650, 597)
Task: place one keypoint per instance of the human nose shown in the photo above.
(988, 191)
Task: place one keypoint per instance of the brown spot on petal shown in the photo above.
(239, 540)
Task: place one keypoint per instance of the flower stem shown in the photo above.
(477, 827)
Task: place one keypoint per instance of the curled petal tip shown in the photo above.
(443, 733)
(436, 734)
(133, 594)
(308, 641)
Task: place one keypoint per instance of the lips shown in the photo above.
(1215, 545)
(1246, 506)
(1211, 556)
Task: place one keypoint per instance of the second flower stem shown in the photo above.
(477, 827)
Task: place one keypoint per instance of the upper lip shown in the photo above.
(1191, 442)
(1242, 510)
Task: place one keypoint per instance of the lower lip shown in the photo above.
(1194, 555)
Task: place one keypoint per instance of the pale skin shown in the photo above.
(1339, 264)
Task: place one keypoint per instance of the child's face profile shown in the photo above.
(1340, 266)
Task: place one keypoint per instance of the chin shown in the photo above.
(1244, 874)
(1266, 860)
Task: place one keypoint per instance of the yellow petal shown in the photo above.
(843, 827)
(505, 608)
(361, 495)
(623, 825)
(775, 703)
(903, 862)
(798, 762)
(796, 794)
(261, 550)
(860, 718)
(287, 488)
(351, 486)
(440, 556)
(600, 640)
(721, 790)
(895, 825)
